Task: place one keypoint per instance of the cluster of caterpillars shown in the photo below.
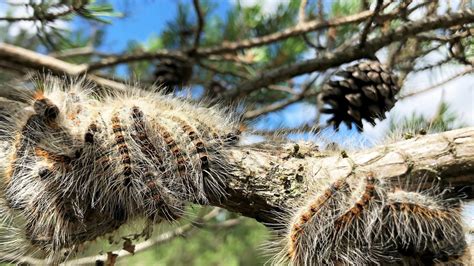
(80, 166)
(349, 223)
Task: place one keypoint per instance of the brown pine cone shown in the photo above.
(170, 73)
(366, 91)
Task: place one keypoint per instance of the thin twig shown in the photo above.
(317, 46)
(302, 11)
(239, 60)
(46, 16)
(465, 72)
(395, 53)
(282, 104)
(127, 58)
(166, 237)
(411, 58)
(80, 51)
(368, 25)
(321, 9)
(306, 39)
(274, 106)
(282, 89)
(221, 71)
(341, 56)
(200, 17)
(452, 37)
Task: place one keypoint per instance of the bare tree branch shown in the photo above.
(86, 50)
(200, 18)
(121, 59)
(38, 16)
(284, 34)
(36, 61)
(439, 84)
(244, 44)
(368, 25)
(279, 180)
(302, 11)
(80, 51)
(341, 56)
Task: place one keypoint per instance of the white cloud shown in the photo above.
(268, 6)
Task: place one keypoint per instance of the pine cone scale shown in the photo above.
(366, 91)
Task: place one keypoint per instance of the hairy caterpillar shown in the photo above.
(363, 223)
(80, 165)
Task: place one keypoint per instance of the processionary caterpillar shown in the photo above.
(80, 164)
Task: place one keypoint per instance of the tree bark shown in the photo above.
(265, 180)
(268, 180)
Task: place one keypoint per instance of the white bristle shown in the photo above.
(350, 222)
(80, 165)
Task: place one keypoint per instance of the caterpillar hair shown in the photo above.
(351, 222)
(80, 165)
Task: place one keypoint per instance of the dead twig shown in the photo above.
(368, 25)
(302, 11)
(165, 237)
(439, 84)
(39, 16)
(341, 56)
(200, 18)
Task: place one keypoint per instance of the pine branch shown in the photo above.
(48, 16)
(466, 71)
(264, 180)
(341, 56)
(200, 26)
(243, 44)
(35, 61)
(279, 179)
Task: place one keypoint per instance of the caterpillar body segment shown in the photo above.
(423, 226)
(80, 165)
(321, 206)
(351, 222)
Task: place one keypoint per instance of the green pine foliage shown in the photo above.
(229, 247)
(416, 124)
(238, 245)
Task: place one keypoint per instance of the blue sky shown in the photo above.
(147, 17)
(144, 18)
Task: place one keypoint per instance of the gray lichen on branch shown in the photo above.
(269, 181)
(266, 181)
